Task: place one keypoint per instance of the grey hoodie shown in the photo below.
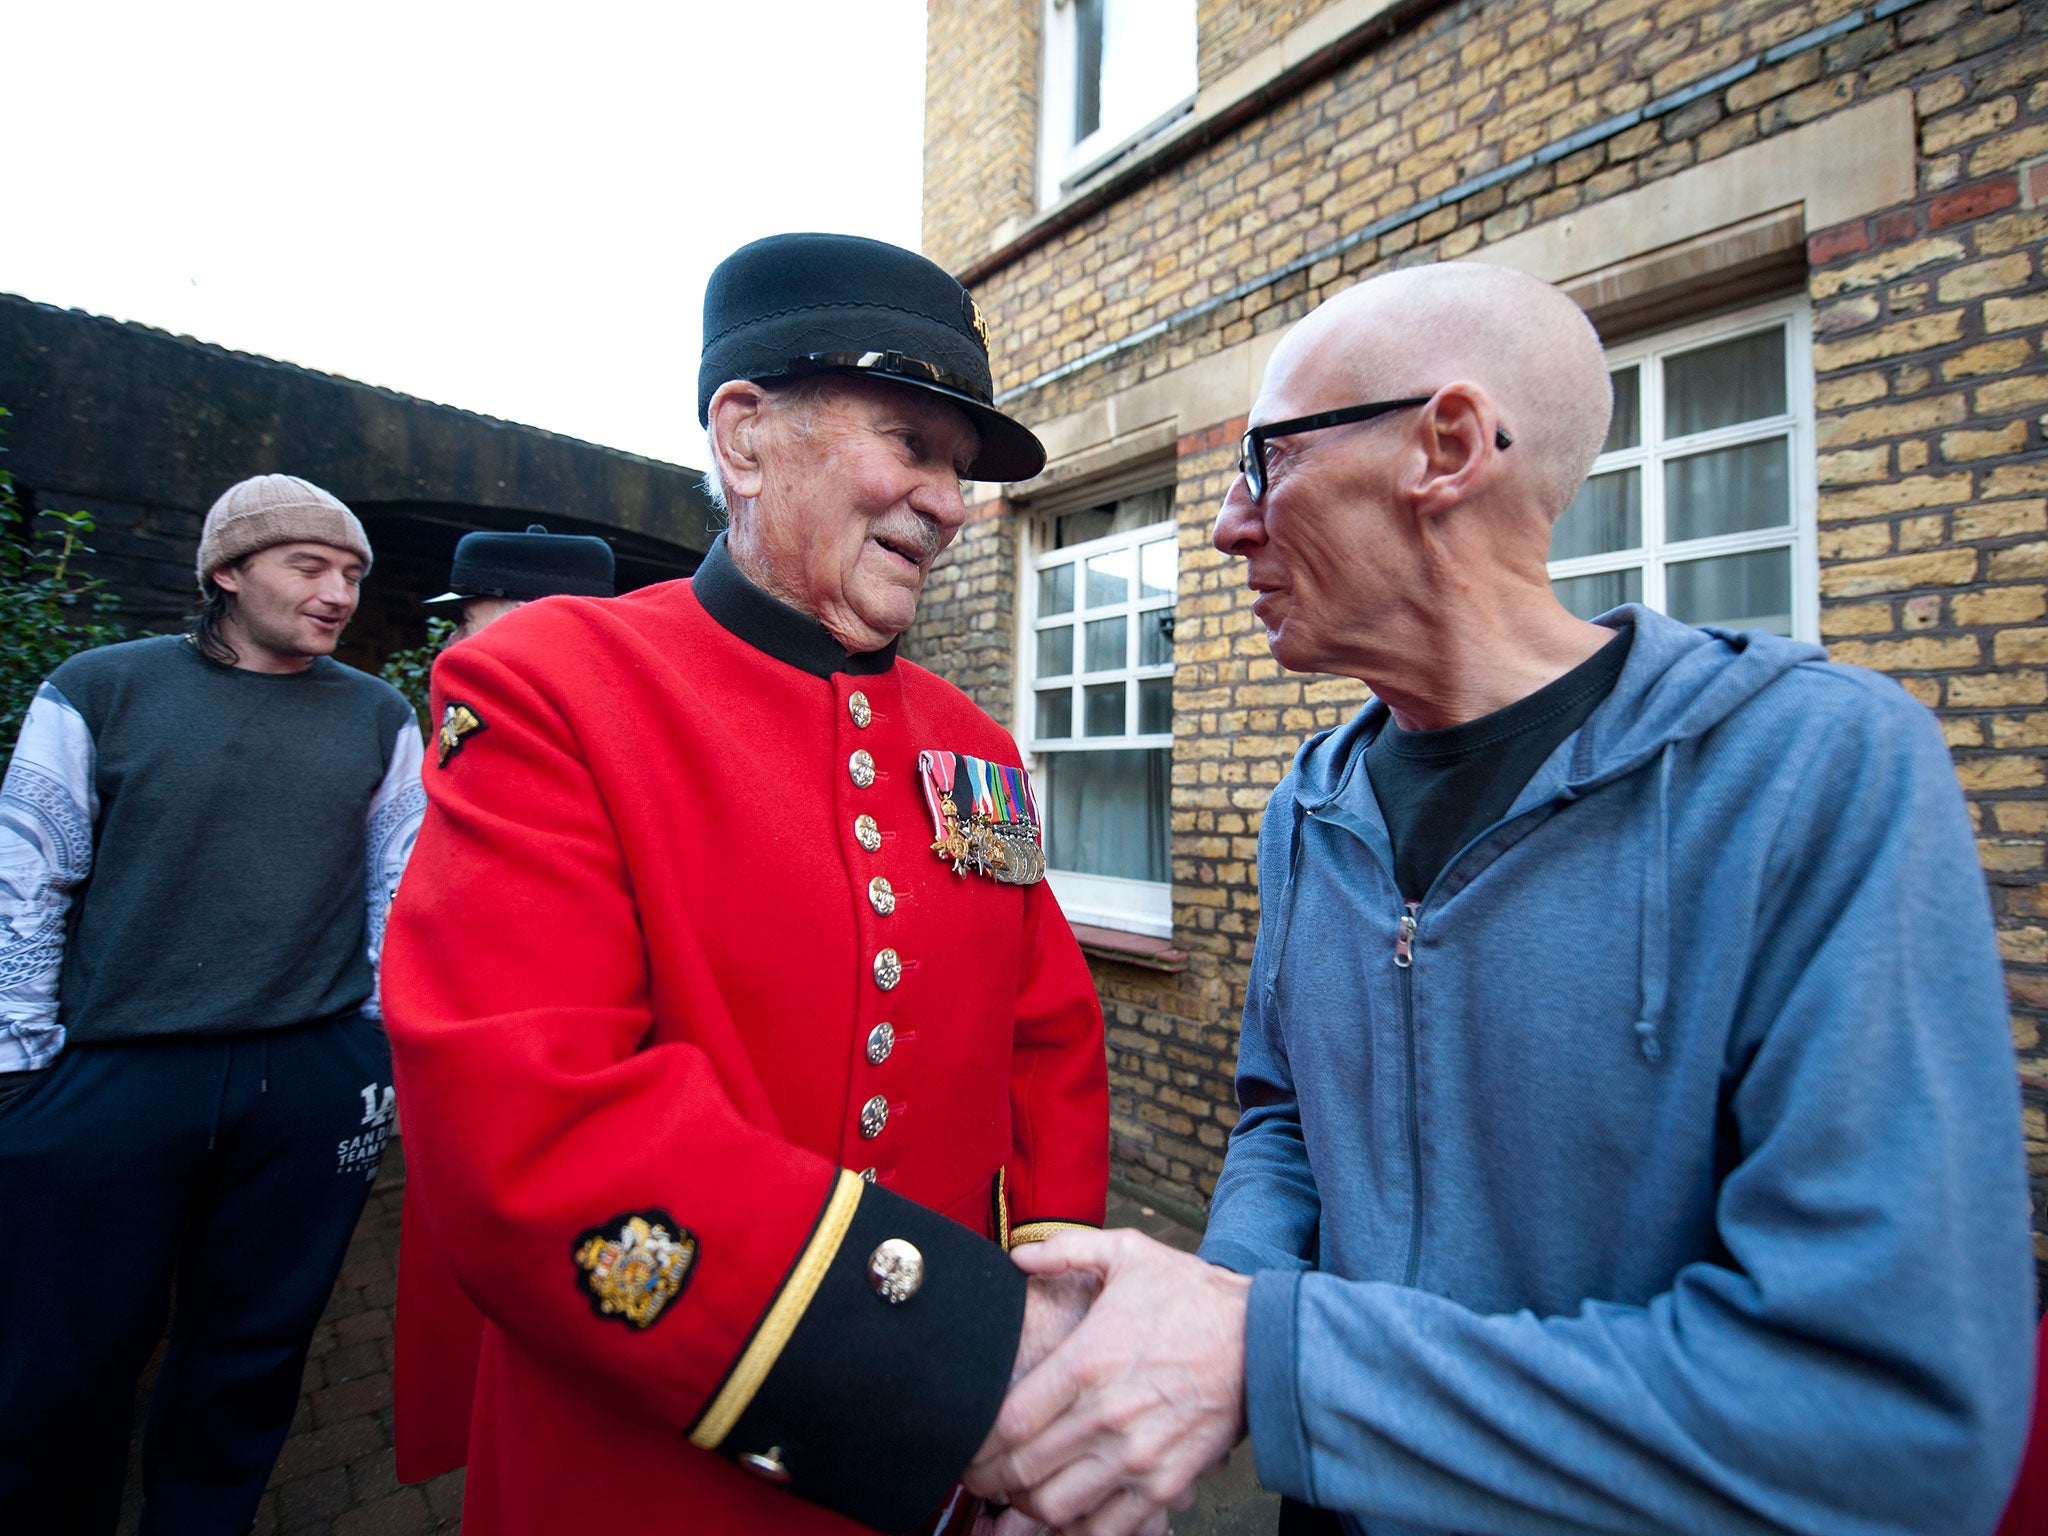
(1661, 1171)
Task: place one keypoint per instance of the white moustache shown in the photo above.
(921, 539)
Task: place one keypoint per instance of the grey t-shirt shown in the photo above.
(241, 824)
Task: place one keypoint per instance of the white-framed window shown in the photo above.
(1097, 701)
(1116, 71)
(1701, 504)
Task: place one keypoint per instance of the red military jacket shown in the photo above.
(722, 1094)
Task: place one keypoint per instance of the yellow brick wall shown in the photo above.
(980, 122)
(1228, 32)
(1931, 406)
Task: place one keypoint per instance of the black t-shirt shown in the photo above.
(1440, 789)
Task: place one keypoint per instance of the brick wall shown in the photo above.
(1928, 325)
(1228, 32)
(966, 627)
(1929, 318)
(980, 123)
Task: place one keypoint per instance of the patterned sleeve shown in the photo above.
(48, 805)
(393, 826)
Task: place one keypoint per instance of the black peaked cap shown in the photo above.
(527, 565)
(791, 305)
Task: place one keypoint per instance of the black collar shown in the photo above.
(769, 624)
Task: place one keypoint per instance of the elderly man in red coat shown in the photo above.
(737, 1038)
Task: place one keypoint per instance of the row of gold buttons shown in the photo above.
(874, 1115)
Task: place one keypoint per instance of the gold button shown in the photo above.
(873, 1116)
(766, 1465)
(896, 1270)
(882, 895)
(888, 969)
(867, 834)
(881, 1041)
(862, 767)
(857, 706)
(867, 1175)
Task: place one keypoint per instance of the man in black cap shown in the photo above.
(497, 572)
(737, 1036)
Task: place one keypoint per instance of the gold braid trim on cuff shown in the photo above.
(1039, 1231)
(781, 1319)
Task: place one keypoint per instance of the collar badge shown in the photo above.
(457, 721)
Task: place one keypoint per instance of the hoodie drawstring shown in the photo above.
(1656, 932)
(1294, 844)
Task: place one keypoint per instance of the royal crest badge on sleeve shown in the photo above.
(634, 1265)
(984, 817)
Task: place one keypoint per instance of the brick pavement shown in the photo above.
(335, 1476)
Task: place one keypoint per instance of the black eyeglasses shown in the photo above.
(1251, 454)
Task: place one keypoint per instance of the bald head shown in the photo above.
(1528, 346)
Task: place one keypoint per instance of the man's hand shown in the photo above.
(1113, 1428)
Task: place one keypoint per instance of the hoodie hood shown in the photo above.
(1678, 683)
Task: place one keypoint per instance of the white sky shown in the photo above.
(510, 207)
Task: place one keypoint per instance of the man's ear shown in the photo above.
(227, 577)
(736, 420)
(1459, 450)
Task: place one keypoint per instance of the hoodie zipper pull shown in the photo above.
(1404, 941)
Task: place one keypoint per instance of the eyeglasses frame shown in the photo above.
(1251, 453)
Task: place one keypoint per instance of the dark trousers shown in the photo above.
(235, 1166)
(1306, 1520)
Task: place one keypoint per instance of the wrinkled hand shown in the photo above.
(1053, 1308)
(1115, 1425)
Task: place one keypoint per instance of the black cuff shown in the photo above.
(873, 1408)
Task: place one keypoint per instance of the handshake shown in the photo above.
(1129, 1385)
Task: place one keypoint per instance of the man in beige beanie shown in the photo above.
(279, 564)
(199, 838)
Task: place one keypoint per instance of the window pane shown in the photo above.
(1155, 706)
(1084, 526)
(1605, 516)
(1102, 709)
(1591, 596)
(1155, 569)
(1727, 491)
(1107, 646)
(1124, 515)
(1109, 577)
(1056, 590)
(1731, 381)
(1625, 427)
(1155, 637)
(1056, 651)
(1752, 591)
(1107, 812)
(1087, 67)
(1056, 712)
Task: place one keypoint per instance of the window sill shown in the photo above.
(1138, 949)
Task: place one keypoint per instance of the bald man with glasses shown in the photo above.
(1630, 1139)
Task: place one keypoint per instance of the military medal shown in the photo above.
(997, 832)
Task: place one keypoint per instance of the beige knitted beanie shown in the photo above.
(275, 509)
